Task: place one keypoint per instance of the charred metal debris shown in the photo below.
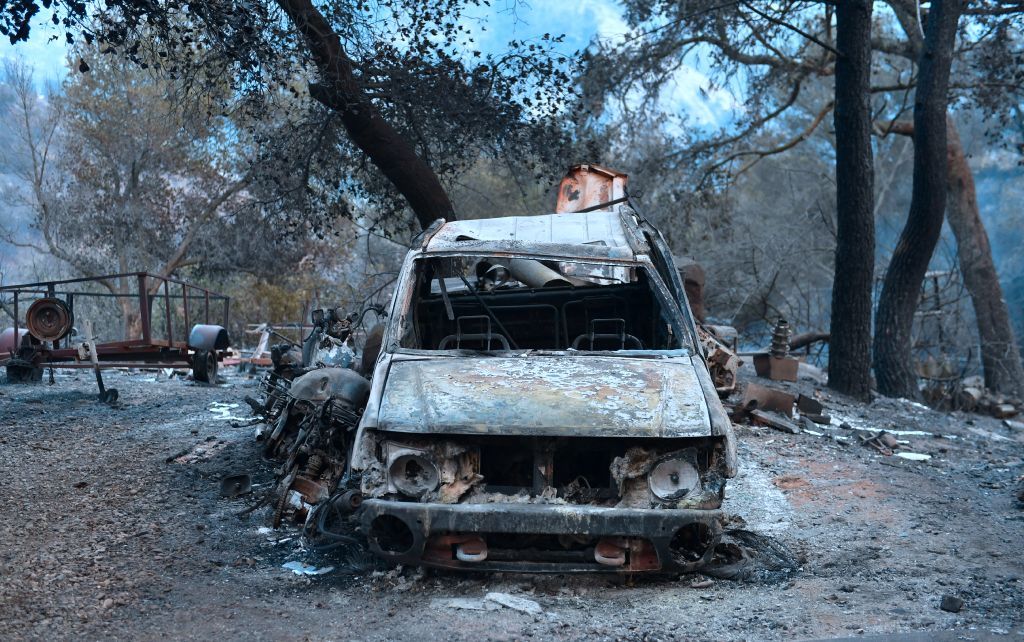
(540, 398)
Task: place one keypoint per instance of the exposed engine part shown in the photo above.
(323, 384)
(309, 421)
(286, 360)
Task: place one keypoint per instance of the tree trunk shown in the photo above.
(130, 318)
(849, 363)
(339, 90)
(1000, 355)
(901, 289)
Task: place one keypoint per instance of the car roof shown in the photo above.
(587, 234)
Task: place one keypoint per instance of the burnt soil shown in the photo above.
(112, 526)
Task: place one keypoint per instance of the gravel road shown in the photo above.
(112, 527)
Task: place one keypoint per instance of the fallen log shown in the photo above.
(807, 338)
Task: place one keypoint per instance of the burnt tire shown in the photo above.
(204, 366)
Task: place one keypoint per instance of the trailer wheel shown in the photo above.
(204, 366)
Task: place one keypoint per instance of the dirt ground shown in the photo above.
(112, 527)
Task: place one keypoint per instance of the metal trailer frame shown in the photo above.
(167, 350)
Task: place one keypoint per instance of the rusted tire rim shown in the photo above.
(49, 319)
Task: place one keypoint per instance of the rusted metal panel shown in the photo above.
(545, 395)
(8, 342)
(590, 186)
(776, 368)
(769, 399)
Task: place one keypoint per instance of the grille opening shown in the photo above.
(540, 541)
(590, 464)
(391, 534)
(506, 466)
(691, 542)
(540, 547)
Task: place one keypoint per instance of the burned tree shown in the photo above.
(417, 101)
(849, 364)
(786, 53)
(118, 176)
(894, 368)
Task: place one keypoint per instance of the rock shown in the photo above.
(468, 604)
(515, 603)
(951, 603)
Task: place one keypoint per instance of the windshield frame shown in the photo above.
(401, 307)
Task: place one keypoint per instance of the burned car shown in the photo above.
(541, 402)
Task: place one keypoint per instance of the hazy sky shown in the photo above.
(580, 21)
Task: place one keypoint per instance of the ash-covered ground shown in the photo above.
(112, 526)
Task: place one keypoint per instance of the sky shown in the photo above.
(580, 21)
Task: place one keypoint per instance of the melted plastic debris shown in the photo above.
(914, 456)
(222, 411)
(301, 568)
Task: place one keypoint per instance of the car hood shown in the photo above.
(545, 396)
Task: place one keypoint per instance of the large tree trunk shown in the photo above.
(849, 363)
(392, 153)
(1000, 355)
(901, 288)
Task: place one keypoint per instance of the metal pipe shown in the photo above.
(535, 274)
(147, 334)
(167, 312)
(184, 298)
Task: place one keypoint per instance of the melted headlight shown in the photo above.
(413, 475)
(674, 479)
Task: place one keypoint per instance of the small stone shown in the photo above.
(951, 603)
(108, 603)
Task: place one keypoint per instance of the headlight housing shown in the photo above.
(411, 471)
(674, 478)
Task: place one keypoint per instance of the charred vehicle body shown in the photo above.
(541, 402)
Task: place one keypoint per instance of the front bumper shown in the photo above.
(658, 540)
